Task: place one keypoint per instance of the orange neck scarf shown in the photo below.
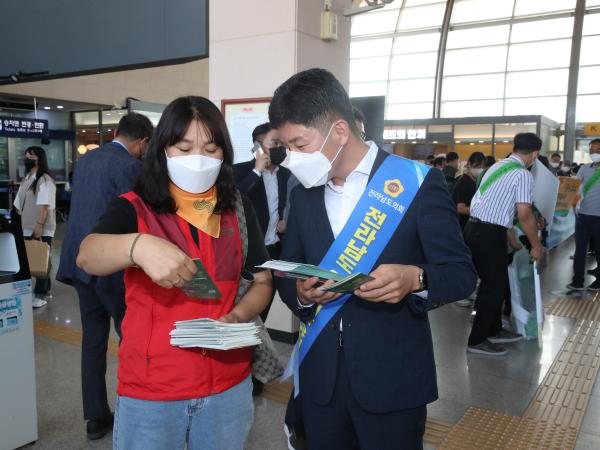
(197, 209)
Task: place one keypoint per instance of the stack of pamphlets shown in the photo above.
(344, 284)
(212, 334)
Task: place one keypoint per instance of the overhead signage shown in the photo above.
(591, 129)
(20, 127)
(410, 134)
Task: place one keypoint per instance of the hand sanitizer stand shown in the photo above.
(18, 409)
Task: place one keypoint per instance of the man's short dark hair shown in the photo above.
(313, 98)
(439, 161)
(526, 143)
(595, 141)
(555, 155)
(134, 126)
(429, 158)
(358, 115)
(451, 156)
(261, 130)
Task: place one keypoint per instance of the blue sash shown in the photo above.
(357, 248)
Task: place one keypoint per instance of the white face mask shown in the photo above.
(311, 169)
(193, 173)
(554, 165)
(595, 157)
(476, 171)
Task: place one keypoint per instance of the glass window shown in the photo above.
(422, 17)
(508, 130)
(413, 65)
(473, 87)
(472, 108)
(414, 91)
(476, 37)
(374, 23)
(417, 43)
(541, 30)
(55, 153)
(473, 131)
(368, 89)
(527, 7)
(410, 111)
(591, 24)
(589, 51)
(540, 55)
(475, 60)
(588, 80)
(537, 83)
(587, 108)
(477, 10)
(369, 69)
(552, 107)
(373, 47)
(4, 158)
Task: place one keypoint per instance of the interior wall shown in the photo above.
(156, 84)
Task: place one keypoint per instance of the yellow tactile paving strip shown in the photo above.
(564, 393)
(575, 308)
(67, 335)
(555, 414)
(435, 431)
(490, 430)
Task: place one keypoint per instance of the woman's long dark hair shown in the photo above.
(153, 183)
(42, 164)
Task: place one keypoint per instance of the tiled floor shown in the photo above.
(505, 385)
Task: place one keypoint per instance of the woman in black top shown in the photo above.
(465, 187)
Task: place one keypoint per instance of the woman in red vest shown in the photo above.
(182, 208)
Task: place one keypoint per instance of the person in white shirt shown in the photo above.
(36, 202)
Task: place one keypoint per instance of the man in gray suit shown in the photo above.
(100, 176)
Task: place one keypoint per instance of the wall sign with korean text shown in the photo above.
(20, 127)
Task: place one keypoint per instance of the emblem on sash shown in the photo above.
(393, 188)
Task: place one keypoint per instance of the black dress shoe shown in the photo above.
(97, 429)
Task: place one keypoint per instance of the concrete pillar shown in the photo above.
(254, 46)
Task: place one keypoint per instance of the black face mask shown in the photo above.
(29, 164)
(277, 155)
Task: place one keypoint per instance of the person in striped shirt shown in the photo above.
(587, 227)
(505, 189)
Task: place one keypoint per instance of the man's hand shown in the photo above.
(308, 293)
(392, 283)
(281, 226)
(536, 253)
(262, 160)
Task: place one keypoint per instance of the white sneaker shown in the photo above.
(48, 296)
(39, 302)
(466, 303)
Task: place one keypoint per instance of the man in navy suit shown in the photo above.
(370, 373)
(264, 182)
(100, 176)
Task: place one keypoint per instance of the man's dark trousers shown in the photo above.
(97, 307)
(587, 228)
(489, 251)
(343, 424)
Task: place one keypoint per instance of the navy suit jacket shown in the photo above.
(388, 348)
(100, 176)
(253, 186)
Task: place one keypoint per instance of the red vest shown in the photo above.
(149, 367)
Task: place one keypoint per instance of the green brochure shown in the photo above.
(201, 285)
(343, 284)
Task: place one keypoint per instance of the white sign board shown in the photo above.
(242, 119)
